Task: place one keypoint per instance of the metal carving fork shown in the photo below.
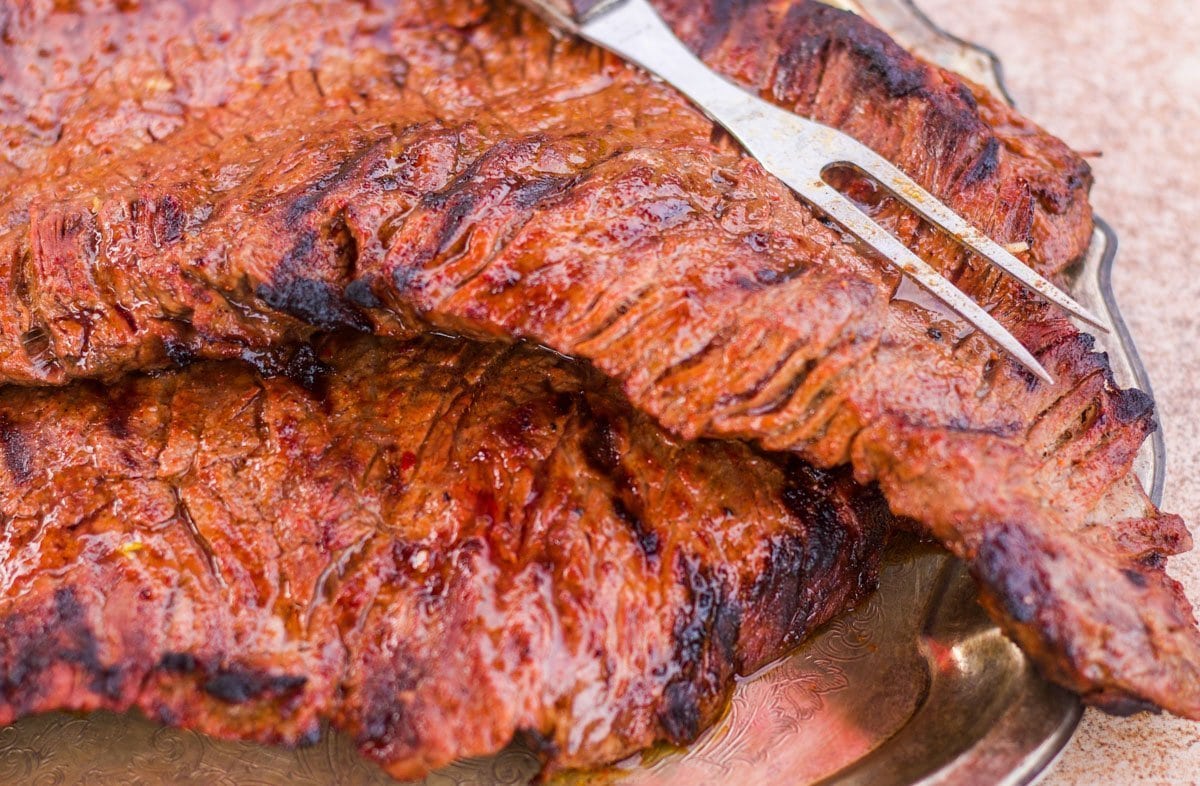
(798, 151)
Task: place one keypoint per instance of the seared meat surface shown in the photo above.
(177, 187)
(435, 545)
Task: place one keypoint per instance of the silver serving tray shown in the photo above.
(917, 686)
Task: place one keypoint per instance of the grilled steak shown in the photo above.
(435, 545)
(177, 187)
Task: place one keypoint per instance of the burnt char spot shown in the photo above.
(647, 538)
(600, 447)
(1120, 704)
(237, 686)
(538, 742)
(313, 301)
(71, 615)
(680, 713)
(878, 54)
(726, 629)
(299, 364)
(17, 456)
(178, 662)
(601, 453)
(1006, 563)
(121, 402)
(61, 634)
(1153, 561)
(179, 353)
(705, 638)
(404, 276)
(360, 293)
(721, 14)
(1135, 578)
(1132, 405)
(691, 629)
(779, 591)
(985, 165)
(801, 50)
(79, 645)
(562, 401)
(806, 497)
(306, 370)
(387, 705)
(966, 96)
(169, 221)
(541, 190)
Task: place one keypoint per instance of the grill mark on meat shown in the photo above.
(542, 190)
(601, 323)
(458, 199)
(729, 401)
(785, 397)
(502, 178)
(798, 69)
(457, 203)
(714, 344)
(36, 343)
(985, 166)
(720, 17)
(315, 193)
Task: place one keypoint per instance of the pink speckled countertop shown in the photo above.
(1123, 77)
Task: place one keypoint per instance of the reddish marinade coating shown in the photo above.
(195, 179)
(435, 545)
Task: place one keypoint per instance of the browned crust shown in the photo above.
(458, 179)
(435, 546)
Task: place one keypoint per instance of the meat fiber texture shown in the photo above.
(188, 181)
(434, 545)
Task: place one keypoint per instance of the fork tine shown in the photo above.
(933, 210)
(859, 224)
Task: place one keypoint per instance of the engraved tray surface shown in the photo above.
(915, 686)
